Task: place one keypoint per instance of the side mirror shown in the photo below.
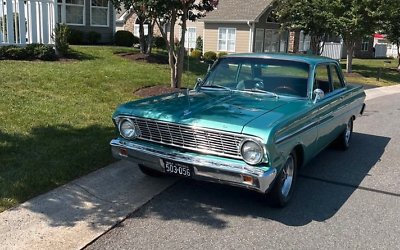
(199, 81)
(319, 94)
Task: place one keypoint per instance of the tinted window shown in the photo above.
(321, 79)
(337, 83)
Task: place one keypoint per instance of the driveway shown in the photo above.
(343, 200)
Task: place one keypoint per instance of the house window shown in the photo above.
(71, 12)
(99, 14)
(190, 38)
(364, 45)
(259, 40)
(304, 42)
(226, 39)
(137, 27)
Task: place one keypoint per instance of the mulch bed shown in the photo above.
(352, 74)
(149, 58)
(155, 90)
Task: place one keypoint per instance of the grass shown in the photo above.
(369, 69)
(55, 116)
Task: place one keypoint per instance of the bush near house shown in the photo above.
(61, 34)
(159, 42)
(125, 38)
(196, 54)
(31, 51)
(93, 37)
(220, 54)
(75, 37)
(210, 55)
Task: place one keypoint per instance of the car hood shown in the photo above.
(222, 110)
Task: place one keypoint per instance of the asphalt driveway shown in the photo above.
(343, 200)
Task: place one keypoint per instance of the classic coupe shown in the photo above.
(252, 122)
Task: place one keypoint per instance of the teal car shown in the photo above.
(252, 122)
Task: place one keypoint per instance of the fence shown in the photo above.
(27, 21)
(381, 50)
(333, 50)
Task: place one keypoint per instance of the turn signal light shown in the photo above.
(248, 179)
(123, 152)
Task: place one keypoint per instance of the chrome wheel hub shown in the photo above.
(287, 176)
(348, 132)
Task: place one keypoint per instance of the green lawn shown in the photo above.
(55, 116)
(369, 69)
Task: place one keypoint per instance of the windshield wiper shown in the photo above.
(216, 86)
(260, 91)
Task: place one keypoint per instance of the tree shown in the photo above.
(140, 8)
(174, 12)
(310, 16)
(391, 24)
(354, 20)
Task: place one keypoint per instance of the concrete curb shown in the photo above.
(383, 91)
(73, 215)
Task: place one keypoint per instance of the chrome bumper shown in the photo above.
(205, 168)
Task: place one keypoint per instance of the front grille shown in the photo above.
(191, 138)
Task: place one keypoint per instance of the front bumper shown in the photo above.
(213, 169)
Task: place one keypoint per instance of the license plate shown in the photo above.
(177, 168)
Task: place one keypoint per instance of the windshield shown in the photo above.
(260, 75)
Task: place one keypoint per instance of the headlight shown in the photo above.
(252, 152)
(127, 129)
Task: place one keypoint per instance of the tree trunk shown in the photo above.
(181, 53)
(398, 56)
(150, 37)
(171, 50)
(142, 40)
(350, 49)
(314, 45)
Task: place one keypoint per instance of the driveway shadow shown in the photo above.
(322, 189)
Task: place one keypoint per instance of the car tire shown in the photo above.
(150, 172)
(344, 139)
(281, 192)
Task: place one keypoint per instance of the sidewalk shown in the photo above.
(71, 216)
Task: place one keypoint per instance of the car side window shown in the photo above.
(336, 80)
(245, 73)
(321, 79)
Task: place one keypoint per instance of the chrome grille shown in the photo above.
(187, 137)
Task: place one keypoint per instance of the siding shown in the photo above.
(197, 24)
(107, 33)
(211, 36)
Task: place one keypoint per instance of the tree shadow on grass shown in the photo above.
(48, 157)
(80, 56)
(372, 72)
(322, 189)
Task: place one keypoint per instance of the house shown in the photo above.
(38, 18)
(127, 20)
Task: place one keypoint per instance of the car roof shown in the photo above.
(310, 59)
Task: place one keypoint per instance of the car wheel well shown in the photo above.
(353, 117)
(299, 150)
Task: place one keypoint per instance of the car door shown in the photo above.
(328, 119)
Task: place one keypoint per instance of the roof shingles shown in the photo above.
(238, 10)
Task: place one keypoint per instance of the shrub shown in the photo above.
(14, 52)
(196, 54)
(75, 37)
(159, 42)
(124, 38)
(199, 43)
(44, 52)
(30, 48)
(210, 55)
(93, 37)
(61, 35)
(221, 54)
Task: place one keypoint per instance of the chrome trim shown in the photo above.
(205, 168)
(238, 137)
(283, 138)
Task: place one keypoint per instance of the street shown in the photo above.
(343, 200)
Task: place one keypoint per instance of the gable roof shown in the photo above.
(120, 13)
(238, 10)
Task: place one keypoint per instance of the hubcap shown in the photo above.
(287, 176)
(348, 132)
